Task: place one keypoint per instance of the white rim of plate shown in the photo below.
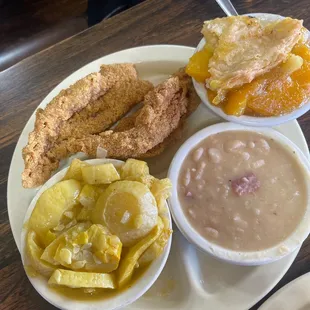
(285, 289)
(244, 119)
(126, 297)
(286, 247)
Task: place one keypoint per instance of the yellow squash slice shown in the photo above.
(51, 205)
(76, 279)
(89, 195)
(128, 263)
(134, 168)
(34, 252)
(161, 189)
(74, 171)
(85, 214)
(50, 251)
(128, 209)
(100, 174)
(106, 247)
(155, 249)
(49, 237)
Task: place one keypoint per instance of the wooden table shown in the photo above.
(23, 86)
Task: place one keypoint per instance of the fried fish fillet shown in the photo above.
(129, 122)
(162, 112)
(244, 48)
(102, 113)
(71, 110)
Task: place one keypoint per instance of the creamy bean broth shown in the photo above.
(242, 190)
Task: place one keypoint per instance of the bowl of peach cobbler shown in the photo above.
(253, 70)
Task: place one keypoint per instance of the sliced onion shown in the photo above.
(101, 152)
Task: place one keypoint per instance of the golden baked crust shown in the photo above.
(244, 48)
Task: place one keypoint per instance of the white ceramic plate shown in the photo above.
(191, 279)
(116, 302)
(294, 295)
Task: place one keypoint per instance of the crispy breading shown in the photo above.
(129, 122)
(102, 113)
(162, 112)
(160, 115)
(67, 103)
(170, 140)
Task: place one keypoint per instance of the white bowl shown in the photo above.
(244, 119)
(118, 301)
(240, 258)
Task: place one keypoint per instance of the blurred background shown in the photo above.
(29, 26)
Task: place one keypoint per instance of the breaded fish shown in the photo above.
(129, 122)
(102, 113)
(162, 112)
(69, 103)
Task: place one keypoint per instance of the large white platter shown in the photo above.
(294, 295)
(191, 279)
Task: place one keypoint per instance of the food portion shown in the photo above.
(82, 279)
(141, 210)
(243, 48)
(91, 233)
(253, 67)
(89, 106)
(102, 113)
(76, 120)
(52, 204)
(242, 190)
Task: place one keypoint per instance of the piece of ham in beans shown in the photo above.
(245, 185)
(189, 194)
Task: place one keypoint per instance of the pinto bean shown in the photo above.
(197, 154)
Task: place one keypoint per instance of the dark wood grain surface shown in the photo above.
(23, 86)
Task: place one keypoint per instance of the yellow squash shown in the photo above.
(51, 205)
(48, 254)
(134, 168)
(128, 209)
(130, 260)
(89, 195)
(155, 249)
(34, 252)
(76, 279)
(74, 171)
(106, 247)
(100, 174)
